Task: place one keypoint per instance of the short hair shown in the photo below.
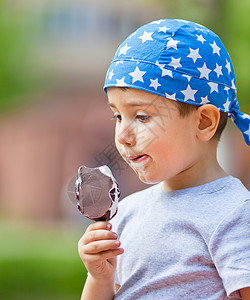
(185, 109)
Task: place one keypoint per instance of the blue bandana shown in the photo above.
(182, 61)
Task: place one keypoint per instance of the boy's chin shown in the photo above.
(144, 175)
(147, 180)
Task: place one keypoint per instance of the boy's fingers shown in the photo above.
(97, 235)
(110, 254)
(105, 255)
(101, 246)
(99, 225)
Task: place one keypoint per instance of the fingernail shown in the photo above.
(109, 226)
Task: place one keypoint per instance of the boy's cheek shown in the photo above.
(118, 145)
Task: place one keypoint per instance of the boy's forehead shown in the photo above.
(131, 97)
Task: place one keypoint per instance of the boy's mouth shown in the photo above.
(137, 158)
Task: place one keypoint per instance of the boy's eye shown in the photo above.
(142, 117)
(117, 117)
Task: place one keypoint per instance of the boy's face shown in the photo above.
(150, 135)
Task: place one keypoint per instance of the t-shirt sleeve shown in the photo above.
(229, 247)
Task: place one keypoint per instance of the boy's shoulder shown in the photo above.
(228, 191)
(233, 190)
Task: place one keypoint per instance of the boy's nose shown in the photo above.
(126, 136)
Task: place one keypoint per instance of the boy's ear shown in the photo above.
(208, 120)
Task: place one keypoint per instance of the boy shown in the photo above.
(187, 236)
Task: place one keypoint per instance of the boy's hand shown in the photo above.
(98, 249)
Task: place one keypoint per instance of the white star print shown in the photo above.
(159, 65)
(200, 25)
(185, 21)
(228, 66)
(248, 133)
(226, 105)
(200, 38)
(213, 86)
(146, 36)
(172, 97)
(175, 62)
(204, 100)
(164, 71)
(172, 44)
(132, 35)
(201, 29)
(121, 82)
(204, 71)
(233, 84)
(137, 75)
(163, 29)
(119, 62)
(217, 70)
(216, 49)
(187, 76)
(154, 83)
(189, 93)
(194, 54)
(124, 50)
(245, 116)
(137, 62)
(157, 22)
(226, 88)
(111, 74)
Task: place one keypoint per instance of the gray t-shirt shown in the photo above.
(186, 244)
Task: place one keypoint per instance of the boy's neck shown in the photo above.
(204, 171)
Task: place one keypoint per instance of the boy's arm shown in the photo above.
(98, 249)
(245, 293)
(94, 289)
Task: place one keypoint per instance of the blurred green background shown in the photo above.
(47, 83)
(38, 263)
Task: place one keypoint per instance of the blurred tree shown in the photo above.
(234, 26)
(200, 11)
(17, 71)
